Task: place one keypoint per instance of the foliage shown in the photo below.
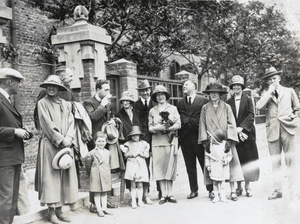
(8, 53)
(221, 38)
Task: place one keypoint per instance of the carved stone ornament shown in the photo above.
(81, 13)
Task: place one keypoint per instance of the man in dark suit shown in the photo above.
(11, 144)
(189, 109)
(98, 109)
(143, 105)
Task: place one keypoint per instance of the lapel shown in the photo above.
(125, 116)
(243, 103)
(281, 93)
(216, 115)
(8, 105)
(231, 102)
(194, 105)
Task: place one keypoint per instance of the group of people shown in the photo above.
(220, 135)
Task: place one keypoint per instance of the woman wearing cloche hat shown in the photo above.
(164, 153)
(217, 114)
(127, 114)
(243, 111)
(57, 126)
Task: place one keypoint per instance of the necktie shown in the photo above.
(146, 105)
(276, 93)
(190, 101)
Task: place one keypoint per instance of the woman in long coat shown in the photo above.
(217, 114)
(56, 187)
(164, 148)
(242, 108)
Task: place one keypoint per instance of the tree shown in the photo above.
(220, 38)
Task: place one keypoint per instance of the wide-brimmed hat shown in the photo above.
(6, 73)
(144, 85)
(217, 135)
(270, 72)
(135, 130)
(111, 131)
(237, 79)
(215, 87)
(54, 80)
(62, 159)
(160, 89)
(126, 95)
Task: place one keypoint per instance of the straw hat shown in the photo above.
(144, 85)
(54, 80)
(215, 87)
(112, 133)
(160, 89)
(126, 95)
(62, 159)
(6, 73)
(135, 130)
(237, 79)
(270, 72)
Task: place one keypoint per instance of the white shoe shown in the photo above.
(216, 199)
(148, 201)
(224, 199)
(141, 204)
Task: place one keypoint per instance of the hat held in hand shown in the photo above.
(62, 159)
(111, 131)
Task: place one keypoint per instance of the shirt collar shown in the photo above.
(143, 100)
(97, 97)
(192, 97)
(6, 95)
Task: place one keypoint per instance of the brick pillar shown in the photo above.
(81, 47)
(128, 75)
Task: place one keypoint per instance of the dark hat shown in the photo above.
(54, 80)
(126, 95)
(237, 79)
(144, 85)
(215, 87)
(111, 131)
(270, 72)
(160, 89)
(217, 135)
(135, 130)
(62, 159)
(6, 73)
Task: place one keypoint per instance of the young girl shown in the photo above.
(100, 177)
(217, 164)
(136, 150)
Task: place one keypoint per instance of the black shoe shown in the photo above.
(171, 199)
(211, 195)
(163, 200)
(192, 195)
(93, 208)
(111, 205)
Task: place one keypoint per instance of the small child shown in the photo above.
(100, 177)
(136, 150)
(217, 164)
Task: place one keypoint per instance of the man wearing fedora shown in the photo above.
(98, 109)
(282, 120)
(189, 109)
(143, 105)
(12, 135)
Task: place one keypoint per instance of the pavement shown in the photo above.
(255, 210)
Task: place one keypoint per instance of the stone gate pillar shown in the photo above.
(81, 47)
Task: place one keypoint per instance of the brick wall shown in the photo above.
(31, 33)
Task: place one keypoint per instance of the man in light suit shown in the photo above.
(281, 122)
(189, 109)
(11, 144)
